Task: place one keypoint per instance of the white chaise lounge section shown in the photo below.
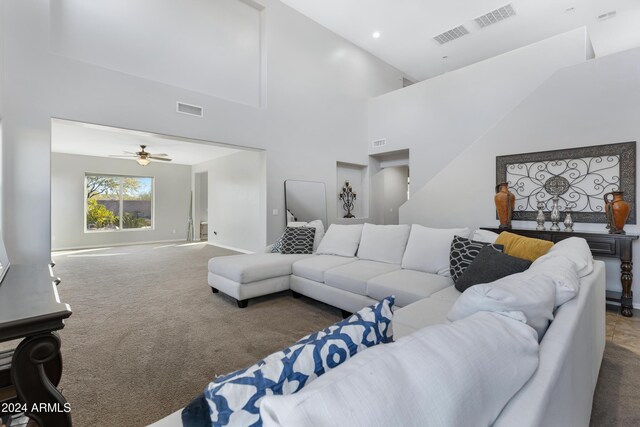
(251, 275)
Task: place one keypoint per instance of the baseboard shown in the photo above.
(105, 245)
(231, 248)
(636, 305)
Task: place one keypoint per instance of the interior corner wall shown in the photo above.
(438, 118)
(592, 103)
(236, 200)
(315, 87)
(172, 183)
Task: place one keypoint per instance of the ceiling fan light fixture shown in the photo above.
(143, 161)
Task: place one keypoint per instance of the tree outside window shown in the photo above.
(117, 203)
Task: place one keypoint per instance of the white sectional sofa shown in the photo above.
(414, 268)
(346, 282)
(560, 391)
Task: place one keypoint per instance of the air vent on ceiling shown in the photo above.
(500, 14)
(607, 15)
(452, 34)
(379, 143)
(192, 110)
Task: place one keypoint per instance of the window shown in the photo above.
(116, 203)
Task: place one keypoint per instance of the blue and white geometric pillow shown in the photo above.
(234, 400)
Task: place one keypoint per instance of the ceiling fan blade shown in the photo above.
(129, 152)
(164, 159)
(159, 154)
(123, 155)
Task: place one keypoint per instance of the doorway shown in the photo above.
(390, 186)
(201, 205)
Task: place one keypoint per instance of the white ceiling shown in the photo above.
(102, 141)
(407, 28)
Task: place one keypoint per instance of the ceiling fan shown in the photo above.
(143, 157)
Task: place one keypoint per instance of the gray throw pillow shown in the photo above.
(298, 240)
(463, 252)
(490, 265)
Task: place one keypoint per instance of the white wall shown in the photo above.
(316, 89)
(237, 199)
(215, 44)
(438, 118)
(171, 201)
(592, 103)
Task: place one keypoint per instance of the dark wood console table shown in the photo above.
(31, 309)
(601, 244)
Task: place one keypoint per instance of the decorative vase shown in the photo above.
(540, 218)
(617, 211)
(568, 221)
(505, 203)
(555, 215)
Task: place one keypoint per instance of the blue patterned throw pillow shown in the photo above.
(234, 400)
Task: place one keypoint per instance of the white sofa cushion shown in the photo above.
(342, 240)
(484, 236)
(384, 243)
(319, 226)
(564, 274)
(313, 268)
(529, 293)
(353, 277)
(420, 314)
(407, 285)
(428, 249)
(461, 374)
(247, 268)
(449, 293)
(577, 250)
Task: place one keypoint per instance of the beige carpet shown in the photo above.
(147, 334)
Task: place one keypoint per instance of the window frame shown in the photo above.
(121, 228)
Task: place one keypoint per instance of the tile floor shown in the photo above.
(623, 331)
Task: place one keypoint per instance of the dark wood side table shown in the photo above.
(601, 244)
(30, 309)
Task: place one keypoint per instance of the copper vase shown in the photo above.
(617, 211)
(505, 203)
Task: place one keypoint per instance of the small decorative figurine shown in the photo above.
(555, 214)
(568, 221)
(540, 218)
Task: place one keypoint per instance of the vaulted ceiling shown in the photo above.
(406, 28)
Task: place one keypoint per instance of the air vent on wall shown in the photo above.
(192, 110)
(607, 15)
(452, 34)
(379, 143)
(500, 14)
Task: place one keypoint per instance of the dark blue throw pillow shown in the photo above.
(197, 413)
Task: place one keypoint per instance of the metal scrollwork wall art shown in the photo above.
(573, 179)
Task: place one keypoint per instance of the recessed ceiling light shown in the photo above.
(376, 35)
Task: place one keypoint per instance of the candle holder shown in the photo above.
(347, 196)
(540, 219)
